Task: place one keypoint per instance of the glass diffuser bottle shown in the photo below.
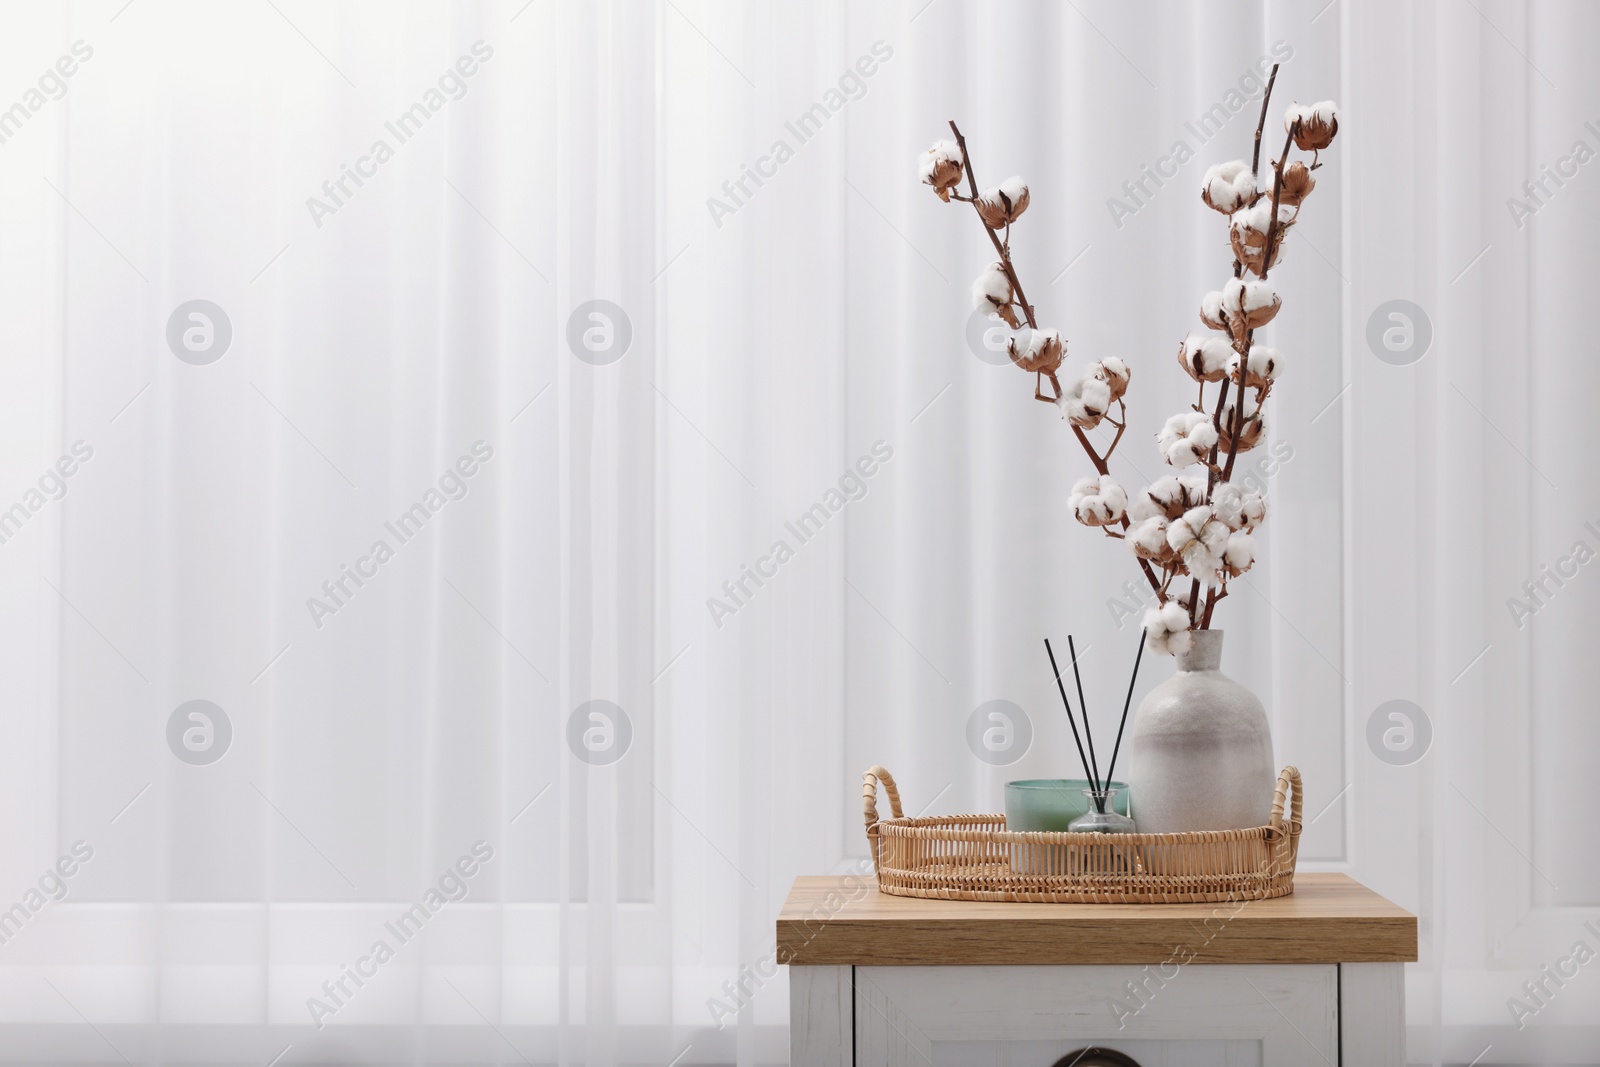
(1102, 816)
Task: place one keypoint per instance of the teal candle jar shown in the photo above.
(1052, 803)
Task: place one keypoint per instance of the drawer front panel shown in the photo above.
(1229, 1015)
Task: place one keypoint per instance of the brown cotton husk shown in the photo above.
(1297, 184)
(1313, 135)
(1114, 373)
(1250, 434)
(1045, 359)
(1250, 245)
(998, 209)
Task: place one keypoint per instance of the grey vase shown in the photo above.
(1200, 749)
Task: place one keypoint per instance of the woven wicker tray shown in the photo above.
(974, 857)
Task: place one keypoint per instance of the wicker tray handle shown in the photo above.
(869, 803)
(869, 795)
(1289, 776)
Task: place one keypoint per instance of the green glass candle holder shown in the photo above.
(1034, 804)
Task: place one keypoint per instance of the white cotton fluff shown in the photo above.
(1228, 504)
(1086, 402)
(992, 289)
(1325, 112)
(1205, 359)
(1211, 310)
(1260, 370)
(1144, 504)
(1186, 437)
(1252, 409)
(1148, 538)
(1241, 509)
(1256, 219)
(1228, 186)
(939, 156)
(1240, 553)
(1004, 204)
(1199, 539)
(1250, 303)
(1247, 233)
(1254, 510)
(1035, 350)
(1113, 372)
(1169, 496)
(1167, 629)
(1098, 501)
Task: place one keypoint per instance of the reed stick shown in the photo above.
(1083, 706)
(1112, 770)
(1070, 720)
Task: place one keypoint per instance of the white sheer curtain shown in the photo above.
(797, 321)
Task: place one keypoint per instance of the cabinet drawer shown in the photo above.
(1237, 1015)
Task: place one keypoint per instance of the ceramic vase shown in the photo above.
(1200, 750)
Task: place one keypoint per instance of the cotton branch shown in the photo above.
(1177, 536)
(1274, 228)
(1001, 248)
(1238, 270)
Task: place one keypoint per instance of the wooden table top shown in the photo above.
(1329, 918)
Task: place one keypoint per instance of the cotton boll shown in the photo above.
(1254, 510)
(940, 167)
(1168, 492)
(1247, 233)
(1168, 497)
(1252, 428)
(1227, 502)
(1297, 184)
(1240, 509)
(1185, 529)
(1001, 206)
(1167, 629)
(1211, 311)
(1250, 305)
(1240, 553)
(1228, 186)
(1199, 539)
(1086, 402)
(1195, 487)
(1313, 125)
(1142, 507)
(1098, 501)
(1260, 370)
(1183, 595)
(1114, 373)
(1036, 350)
(1186, 438)
(1148, 539)
(991, 292)
(1201, 520)
(1096, 394)
(1205, 359)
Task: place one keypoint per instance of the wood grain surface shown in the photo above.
(1330, 918)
